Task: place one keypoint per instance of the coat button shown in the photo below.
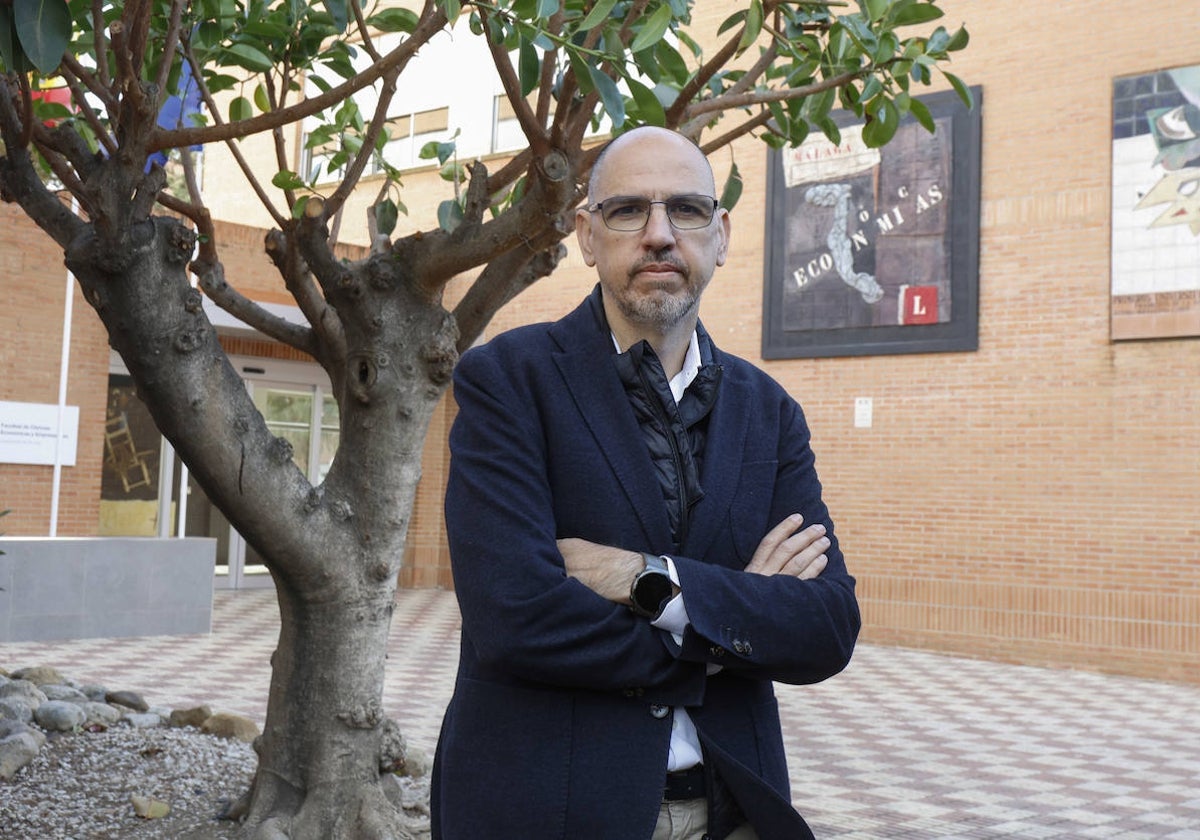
(742, 648)
(716, 651)
(659, 712)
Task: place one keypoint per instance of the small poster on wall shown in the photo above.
(28, 432)
(1156, 205)
(876, 251)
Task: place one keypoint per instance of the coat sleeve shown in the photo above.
(773, 627)
(523, 618)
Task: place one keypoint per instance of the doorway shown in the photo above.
(296, 402)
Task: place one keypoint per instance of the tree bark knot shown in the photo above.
(367, 716)
(281, 450)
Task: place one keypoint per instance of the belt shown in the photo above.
(684, 784)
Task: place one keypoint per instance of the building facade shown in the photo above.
(1035, 499)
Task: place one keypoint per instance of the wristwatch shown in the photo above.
(652, 587)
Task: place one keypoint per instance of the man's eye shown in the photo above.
(624, 210)
(687, 209)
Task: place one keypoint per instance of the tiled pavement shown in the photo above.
(904, 744)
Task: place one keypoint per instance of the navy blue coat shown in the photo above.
(556, 728)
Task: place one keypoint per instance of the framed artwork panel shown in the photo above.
(875, 251)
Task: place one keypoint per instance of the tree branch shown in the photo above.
(726, 102)
(233, 147)
(333, 203)
(19, 180)
(169, 44)
(501, 280)
(534, 133)
(431, 23)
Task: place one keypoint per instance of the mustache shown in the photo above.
(660, 258)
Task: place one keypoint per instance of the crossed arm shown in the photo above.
(787, 549)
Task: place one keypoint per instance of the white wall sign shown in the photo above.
(27, 433)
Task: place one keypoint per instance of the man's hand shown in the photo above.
(787, 550)
(607, 571)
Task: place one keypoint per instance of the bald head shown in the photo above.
(649, 141)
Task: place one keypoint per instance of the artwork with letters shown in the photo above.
(875, 251)
(1156, 205)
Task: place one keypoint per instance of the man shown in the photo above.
(639, 548)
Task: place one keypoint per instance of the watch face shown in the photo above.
(653, 588)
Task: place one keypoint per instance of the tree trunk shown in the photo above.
(334, 551)
(326, 740)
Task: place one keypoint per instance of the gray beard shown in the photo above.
(659, 313)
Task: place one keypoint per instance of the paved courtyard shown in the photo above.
(904, 744)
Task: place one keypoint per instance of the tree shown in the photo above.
(377, 325)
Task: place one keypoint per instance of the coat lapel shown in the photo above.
(586, 365)
(720, 471)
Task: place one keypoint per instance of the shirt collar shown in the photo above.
(691, 366)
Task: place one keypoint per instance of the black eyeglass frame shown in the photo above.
(666, 203)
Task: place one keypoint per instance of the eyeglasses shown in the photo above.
(631, 212)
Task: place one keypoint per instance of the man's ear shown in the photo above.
(583, 234)
(723, 245)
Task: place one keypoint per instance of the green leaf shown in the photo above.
(452, 8)
(731, 21)
(732, 190)
(529, 66)
(450, 215)
(240, 109)
(610, 95)
(339, 12)
(882, 128)
(597, 15)
(546, 8)
(876, 9)
(260, 99)
(754, 25)
(386, 216)
(672, 62)
(298, 207)
(653, 29)
(11, 54)
(286, 180)
(921, 112)
(958, 40)
(394, 20)
(251, 58)
(917, 13)
(964, 92)
(44, 31)
(649, 108)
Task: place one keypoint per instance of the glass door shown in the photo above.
(306, 417)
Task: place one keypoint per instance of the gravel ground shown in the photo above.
(79, 787)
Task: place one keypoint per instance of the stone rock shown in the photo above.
(16, 751)
(148, 808)
(57, 691)
(12, 727)
(59, 716)
(16, 708)
(95, 693)
(143, 720)
(190, 717)
(25, 689)
(128, 699)
(39, 675)
(225, 725)
(101, 714)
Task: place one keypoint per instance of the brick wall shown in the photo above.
(1034, 501)
(32, 293)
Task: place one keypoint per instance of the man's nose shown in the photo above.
(658, 231)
